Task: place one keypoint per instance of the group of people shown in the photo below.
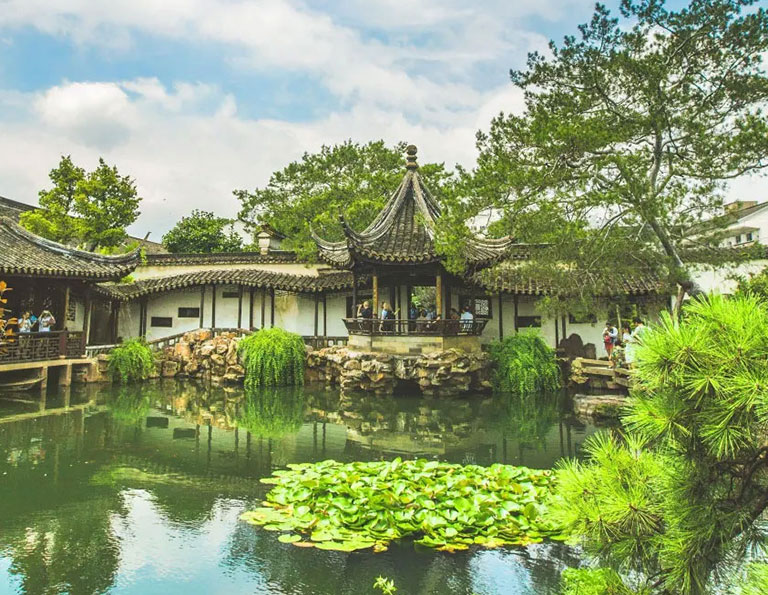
(44, 322)
(621, 349)
(416, 314)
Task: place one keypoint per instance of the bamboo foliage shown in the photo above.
(272, 357)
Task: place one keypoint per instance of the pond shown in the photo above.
(139, 489)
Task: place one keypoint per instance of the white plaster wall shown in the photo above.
(128, 320)
(296, 313)
(226, 308)
(337, 310)
(167, 305)
(149, 272)
(721, 280)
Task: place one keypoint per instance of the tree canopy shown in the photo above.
(89, 209)
(629, 134)
(675, 501)
(350, 178)
(203, 232)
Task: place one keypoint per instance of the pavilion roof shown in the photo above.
(334, 281)
(23, 253)
(221, 258)
(403, 232)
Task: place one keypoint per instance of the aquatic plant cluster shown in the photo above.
(130, 362)
(272, 357)
(448, 507)
(525, 364)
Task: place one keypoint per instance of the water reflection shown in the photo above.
(138, 490)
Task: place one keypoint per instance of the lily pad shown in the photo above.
(447, 507)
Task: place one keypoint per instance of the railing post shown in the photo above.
(63, 344)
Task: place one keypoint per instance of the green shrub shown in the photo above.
(525, 364)
(272, 357)
(131, 361)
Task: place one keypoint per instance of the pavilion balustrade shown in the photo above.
(439, 328)
(30, 347)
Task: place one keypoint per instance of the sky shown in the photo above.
(196, 98)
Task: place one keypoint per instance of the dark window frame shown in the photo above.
(227, 295)
(528, 322)
(161, 321)
(188, 312)
(472, 300)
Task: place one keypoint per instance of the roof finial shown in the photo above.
(410, 159)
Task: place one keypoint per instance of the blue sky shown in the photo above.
(194, 98)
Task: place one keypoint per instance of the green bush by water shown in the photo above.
(272, 357)
(130, 362)
(525, 364)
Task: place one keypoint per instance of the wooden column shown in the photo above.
(447, 298)
(202, 307)
(439, 295)
(354, 294)
(239, 306)
(143, 317)
(65, 308)
(250, 310)
(515, 300)
(325, 316)
(87, 318)
(115, 322)
(563, 324)
(213, 307)
(317, 314)
(263, 304)
(376, 307)
(272, 307)
(501, 317)
(557, 332)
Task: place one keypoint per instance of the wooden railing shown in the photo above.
(321, 341)
(440, 328)
(32, 347)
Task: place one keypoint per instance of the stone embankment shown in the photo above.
(201, 355)
(448, 372)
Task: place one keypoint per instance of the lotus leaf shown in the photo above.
(448, 507)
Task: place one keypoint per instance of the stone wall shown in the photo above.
(201, 355)
(448, 372)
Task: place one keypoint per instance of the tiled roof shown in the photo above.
(223, 258)
(507, 278)
(335, 281)
(23, 253)
(13, 208)
(403, 232)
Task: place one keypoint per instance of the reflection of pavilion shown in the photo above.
(397, 250)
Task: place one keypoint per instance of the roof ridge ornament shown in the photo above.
(410, 157)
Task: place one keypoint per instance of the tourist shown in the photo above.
(466, 319)
(431, 313)
(384, 315)
(453, 314)
(364, 310)
(46, 321)
(626, 333)
(610, 337)
(26, 323)
(634, 340)
(413, 314)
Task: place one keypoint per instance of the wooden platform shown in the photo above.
(599, 373)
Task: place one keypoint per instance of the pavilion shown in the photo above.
(397, 252)
(45, 275)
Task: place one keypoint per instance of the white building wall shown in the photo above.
(337, 310)
(167, 305)
(293, 268)
(128, 320)
(722, 280)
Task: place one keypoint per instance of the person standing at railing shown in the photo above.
(46, 321)
(26, 323)
(467, 319)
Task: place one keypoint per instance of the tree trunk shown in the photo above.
(680, 269)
